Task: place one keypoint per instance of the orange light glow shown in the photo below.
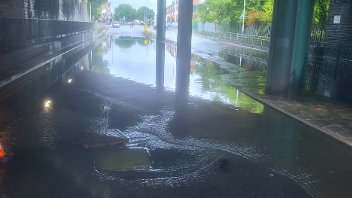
(2, 152)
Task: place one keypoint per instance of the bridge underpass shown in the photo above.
(195, 135)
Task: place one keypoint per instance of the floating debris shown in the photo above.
(115, 159)
(99, 141)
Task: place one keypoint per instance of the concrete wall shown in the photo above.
(25, 23)
(72, 10)
(336, 70)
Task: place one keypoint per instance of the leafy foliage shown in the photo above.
(96, 8)
(321, 10)
(145, 11)
(230, 11)
(125, 12)
(268, 9)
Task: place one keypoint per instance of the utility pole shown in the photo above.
(145, 16)
(160, 44)
(90, 12)
(243, 15)
(161, 20)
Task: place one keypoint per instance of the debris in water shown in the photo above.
(114, 159)
(99, 141)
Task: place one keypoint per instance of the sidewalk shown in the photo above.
(202, 45)
(331, 118)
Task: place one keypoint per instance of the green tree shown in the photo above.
(267, 13)
(125, 11)
(145, 11)
(321, 12)
(229, 11)
(96, 8)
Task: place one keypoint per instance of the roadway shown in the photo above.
(338, 129)
(126, 30)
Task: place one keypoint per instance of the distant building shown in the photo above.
(172, 11)
(106, 14)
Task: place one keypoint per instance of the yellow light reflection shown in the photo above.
(47, 105)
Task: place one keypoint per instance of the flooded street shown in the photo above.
(213, 142)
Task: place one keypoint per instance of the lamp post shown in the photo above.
(243, 15)
(90, 12)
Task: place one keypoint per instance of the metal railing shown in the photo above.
(253, 55)
(261, 42)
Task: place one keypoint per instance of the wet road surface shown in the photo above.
(212, 142)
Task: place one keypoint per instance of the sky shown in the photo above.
(138, 3)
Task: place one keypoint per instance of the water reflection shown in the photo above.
(69, 81)
(3, 155)
(125, 42)
(119, 62)
(212, 77)
(47, 105)
(98, 64)
(201, 78)
(245, 57)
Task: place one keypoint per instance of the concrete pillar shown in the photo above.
(183, 68)
(160, 43)
(289, 37)
(184, 43)
(281, 43)
(304, 18)
(161, 20)
(160, 64)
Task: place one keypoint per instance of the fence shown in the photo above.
(256, 35)
(257, 29)
(329, 62)
(242, 39)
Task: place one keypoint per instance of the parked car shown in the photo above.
(116, 24)
(172, 26)
(138, 22)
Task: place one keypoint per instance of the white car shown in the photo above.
(116, 25)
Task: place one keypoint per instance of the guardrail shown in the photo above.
(17, 31)
(261, 42)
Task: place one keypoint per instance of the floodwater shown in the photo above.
(207, 141)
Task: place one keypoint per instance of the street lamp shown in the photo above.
(243, 15)
(145, 16)
(90, 12)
